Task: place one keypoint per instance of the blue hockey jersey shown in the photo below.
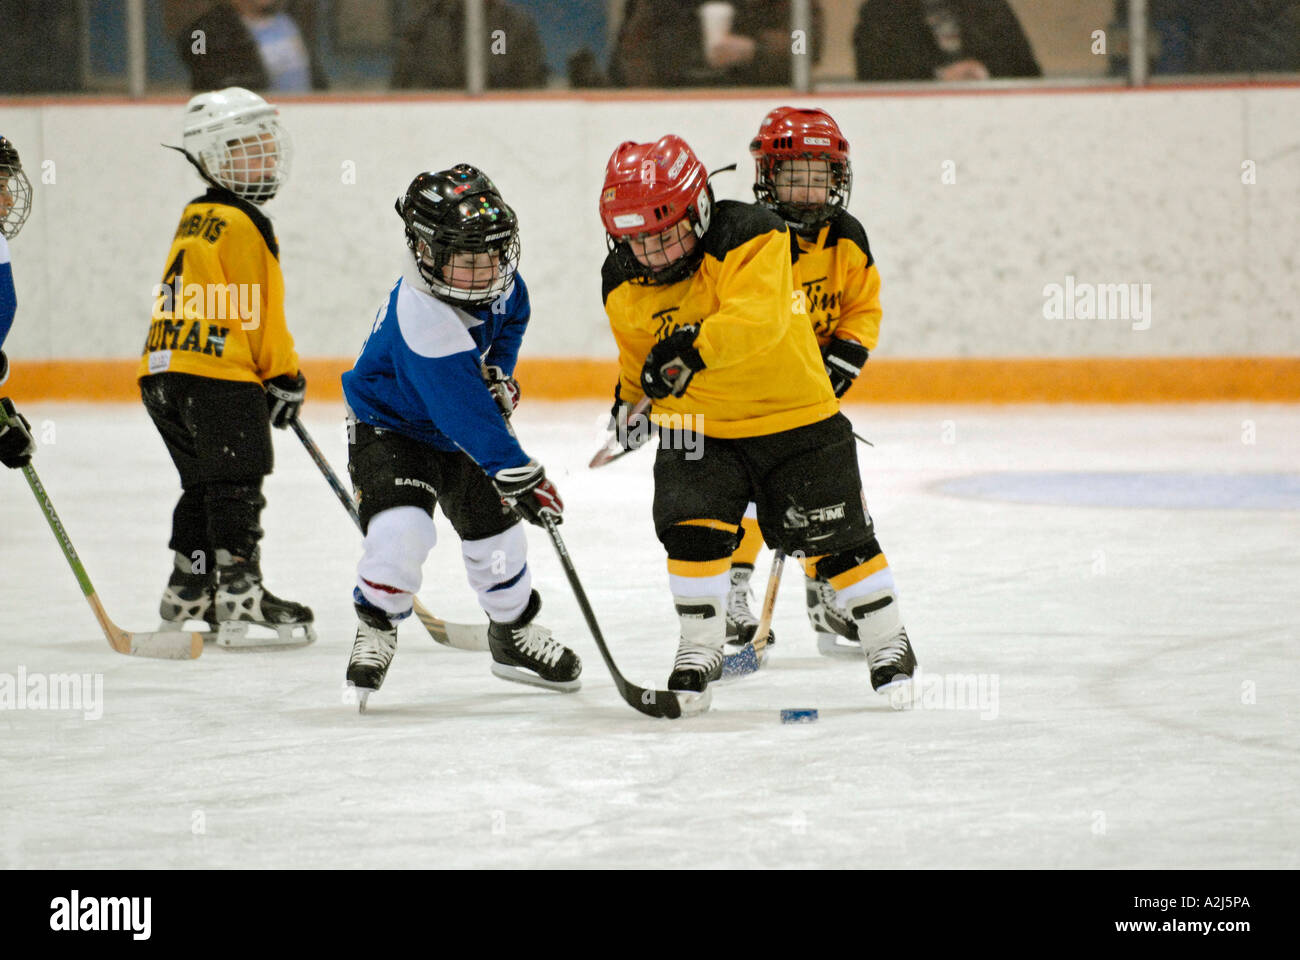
(8, 299)
(419, 372)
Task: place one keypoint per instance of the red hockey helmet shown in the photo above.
(648, 188)
(787, 136)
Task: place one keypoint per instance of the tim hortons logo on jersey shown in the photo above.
(77, 913)
(815, 299)
(666, 321)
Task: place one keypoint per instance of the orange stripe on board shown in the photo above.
(885, 380)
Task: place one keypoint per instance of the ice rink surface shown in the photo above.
(1109, 598)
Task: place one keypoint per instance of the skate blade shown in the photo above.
(692, 703)
(898, 690)
(236, 635)
(833, 645)
(517, 675)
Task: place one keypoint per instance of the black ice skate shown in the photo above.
(372, 652)
(188, 597)
(699, 654)
(742, 625)
(884, 641)
(242, 602)
(837, 634)
(524, 652)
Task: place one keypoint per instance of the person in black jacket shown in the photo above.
(941, 40)
(431, 53)
(266, 45)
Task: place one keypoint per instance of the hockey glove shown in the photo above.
(284, 398)
(844, 360)
(630, 432)
(671, 364)
(527, 491)
(4, 367)
(504, 389)
(16, 444)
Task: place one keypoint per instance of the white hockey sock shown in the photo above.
(497, 569)
(397, 543)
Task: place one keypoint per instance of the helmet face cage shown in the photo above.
(250, 159)
(697, 215)
(468, 272)
(15, 191)
(807, 215)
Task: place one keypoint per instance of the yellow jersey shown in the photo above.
(763, 370)
(219, 311)
(836, 276)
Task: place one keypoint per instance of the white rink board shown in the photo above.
(1107, 187)
(1145, 659)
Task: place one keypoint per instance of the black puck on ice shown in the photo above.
(798, 715)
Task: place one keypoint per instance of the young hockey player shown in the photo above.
(219, 370)
(700, 303)
(16, 444)
(802, 173)
(428, 403)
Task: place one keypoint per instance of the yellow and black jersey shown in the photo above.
(763, 370)
(219, 311)
(837, 277)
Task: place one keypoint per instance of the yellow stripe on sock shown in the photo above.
(698, 568)
(750, 543)
(860, 572)
(810, 564)
(711, 524)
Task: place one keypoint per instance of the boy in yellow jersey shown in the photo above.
(700, 301)
(219, 370)
(802, 173)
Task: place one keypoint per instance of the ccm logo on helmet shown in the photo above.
(625, 220)
(677, 165)
(817, 141)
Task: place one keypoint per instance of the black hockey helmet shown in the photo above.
(15, 190)
(454, 212)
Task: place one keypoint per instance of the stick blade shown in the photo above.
(161, 645)
(742, 664)
(462, 636)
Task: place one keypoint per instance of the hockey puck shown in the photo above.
(798, 715)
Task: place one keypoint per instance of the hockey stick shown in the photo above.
(612, 449)
(462, 636)
(653, 703)
(162, 645)
(752, 656)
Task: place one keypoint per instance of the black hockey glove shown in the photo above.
(630, 432)
(527, 491)
(16, 443)
(844, 360)
(504, 389)
(284, 398)
(670, 364)
(4, 367)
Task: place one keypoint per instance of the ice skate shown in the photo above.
(742, 625)
(884, 641)
(188, 597)
(242, 602)
(525, 652)
(372, 652)
(699, 653)
(837, 634)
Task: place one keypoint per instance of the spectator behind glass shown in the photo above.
(265, 45)
(663, 43)
(941, 40)
(1251, 36)
(431, 53)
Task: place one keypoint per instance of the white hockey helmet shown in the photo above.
(237, 139)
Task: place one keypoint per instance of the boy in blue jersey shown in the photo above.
(429, 401)
(16, 444)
